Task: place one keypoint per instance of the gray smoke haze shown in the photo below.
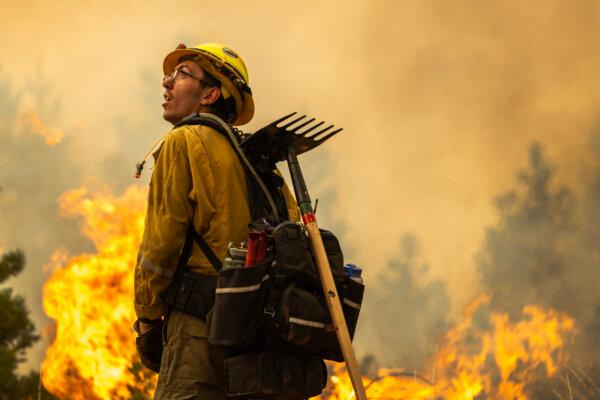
(439, 101)
(405, 314)
(34, 171)
(544, 251)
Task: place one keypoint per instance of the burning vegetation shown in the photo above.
(93, 354)
(485, 356)
(523, 350)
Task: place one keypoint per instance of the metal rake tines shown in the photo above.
(319, 136)
(274, 139)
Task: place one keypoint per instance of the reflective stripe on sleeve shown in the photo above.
(150, 266)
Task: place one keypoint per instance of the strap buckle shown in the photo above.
(269, 312)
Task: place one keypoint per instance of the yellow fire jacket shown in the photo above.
(197, 178)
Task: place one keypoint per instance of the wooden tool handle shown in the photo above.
(335, 309)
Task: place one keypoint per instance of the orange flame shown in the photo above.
(499, 359)
(90, 297)
(30, 119)
(391, 384)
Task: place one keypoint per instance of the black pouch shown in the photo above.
(292, 249)
(334, 255)
(301, 323)
(351, 296)
(239, 304)
(293, 252)
(351, 293)
(274, 375)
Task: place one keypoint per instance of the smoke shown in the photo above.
(541, 251)
(591, 210)
(544, 248)
(405, 313)
(36, 166)
(452, 95)
(544, 251)
(439, 101)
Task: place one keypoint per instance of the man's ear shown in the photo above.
(210, 95)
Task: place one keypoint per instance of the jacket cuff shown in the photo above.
(154, 311)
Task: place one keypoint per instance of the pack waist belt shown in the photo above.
(192, 293)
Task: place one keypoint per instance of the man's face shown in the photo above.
(182, 95)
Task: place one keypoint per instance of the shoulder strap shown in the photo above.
(212, 122)
(261, 192)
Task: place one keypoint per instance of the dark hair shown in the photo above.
(222, 108)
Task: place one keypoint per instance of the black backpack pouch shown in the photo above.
(292, 249)
(301, 323)
(239, 302)
(274, 375)
(351, 293)
(278, 304)
(334, 256)
(294, 252)
(351, 296)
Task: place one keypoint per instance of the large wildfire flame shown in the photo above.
(491, 356)
(93, 355)
(90, 298)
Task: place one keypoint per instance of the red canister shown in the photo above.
(257, 247)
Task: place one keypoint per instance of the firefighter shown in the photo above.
(197, 183)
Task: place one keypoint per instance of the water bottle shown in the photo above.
(236, 255)
(354, 272)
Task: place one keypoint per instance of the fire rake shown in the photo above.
(285, 143)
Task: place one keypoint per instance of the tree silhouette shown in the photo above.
(407, 313)
(17, 334)
(544, 251)
(524, 258)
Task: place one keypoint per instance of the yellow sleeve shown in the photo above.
(168, 215)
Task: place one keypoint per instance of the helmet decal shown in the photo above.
(229, 52)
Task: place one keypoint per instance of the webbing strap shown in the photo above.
(208, 252)
(261, 197)
(191, 237)
(186, 252)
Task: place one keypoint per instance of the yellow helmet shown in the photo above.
(227, 67)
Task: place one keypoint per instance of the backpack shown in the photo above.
(271, 317)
